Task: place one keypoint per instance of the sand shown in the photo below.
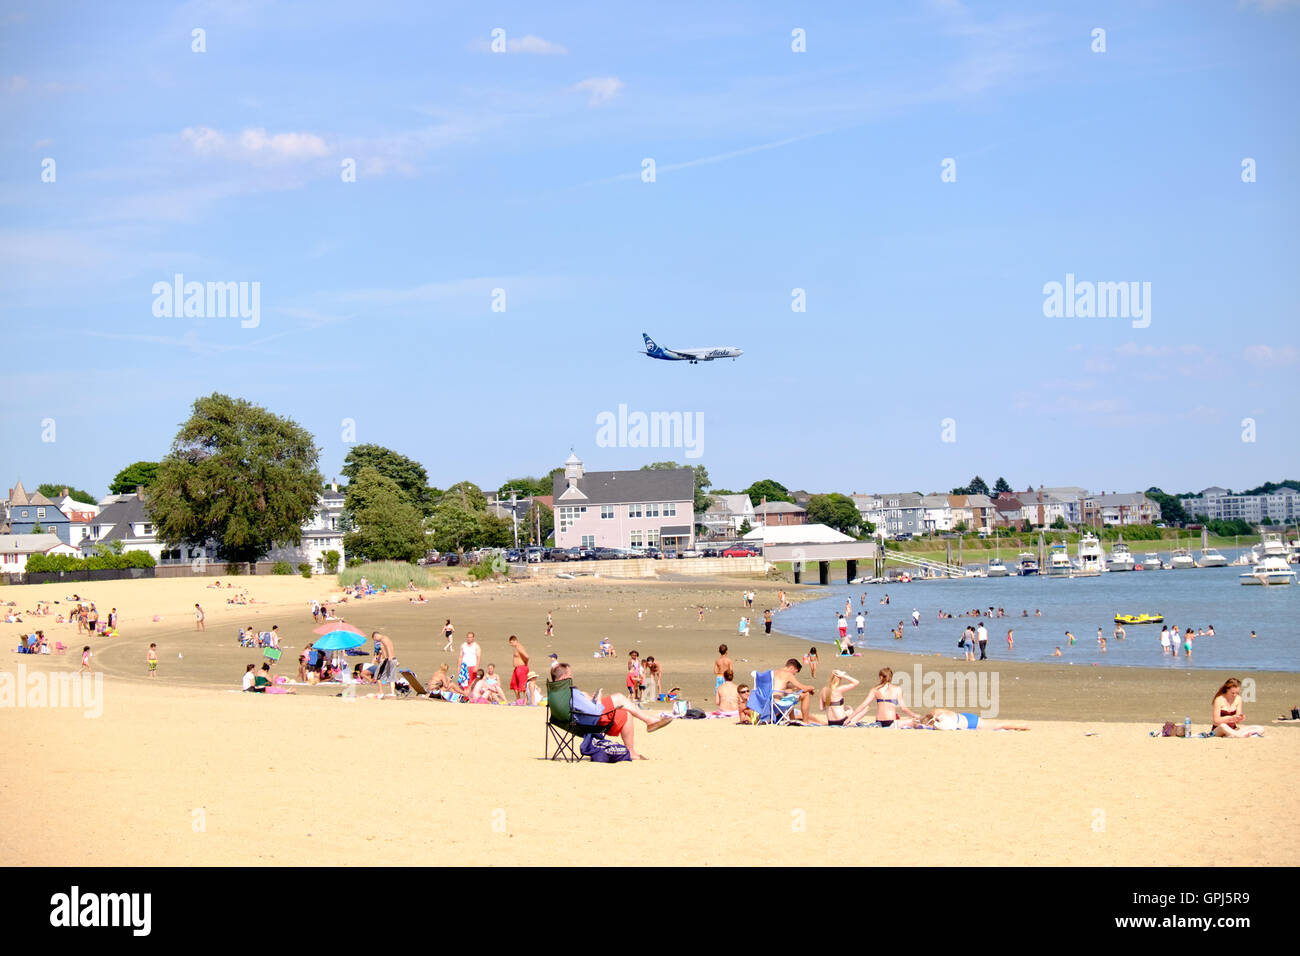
(185, 770)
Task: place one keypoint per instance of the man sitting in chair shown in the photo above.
(610, 713)
(785, 683)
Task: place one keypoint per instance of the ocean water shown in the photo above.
(1193, 598)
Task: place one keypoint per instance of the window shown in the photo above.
(670, 509)
(588, 541)
(148, 528)
(634, 511)
(652, 538)
(607, 511)
(638, 539)
(568, 514)
(652, 511)
(40, 512)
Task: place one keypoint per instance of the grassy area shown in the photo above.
(395, 575)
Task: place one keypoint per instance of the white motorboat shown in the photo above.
(1151, 562)
(1211, 558)
(1181, 559)
(997, 569)
(1121, 559)
(1058, 561)
(1270, 546)
(1091, 557)
(1270, 571)
(1028, 563)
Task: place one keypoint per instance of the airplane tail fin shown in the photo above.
(650, 347)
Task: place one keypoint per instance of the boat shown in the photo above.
(1181, 559)
(1211, 558)
(1270, 571)
(1139, 618)
(1270, 546)
(1028, 563)
(1151, 562)
(997, 569)
(1091, 557)
(1121, 559)
(1058, 561)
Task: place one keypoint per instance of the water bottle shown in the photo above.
(1187, 726)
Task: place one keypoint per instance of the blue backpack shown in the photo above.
(603, 750)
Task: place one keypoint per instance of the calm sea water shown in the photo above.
(1193, 598)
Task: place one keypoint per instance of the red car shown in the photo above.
(739, 553)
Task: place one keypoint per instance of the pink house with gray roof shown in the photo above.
(624, 509)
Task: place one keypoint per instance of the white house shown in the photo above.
(15, 549)
(726, 514)
(320, 534)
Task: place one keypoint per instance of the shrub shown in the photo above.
(304, 569)
(332, 562)
(281, 567)
(66, 562)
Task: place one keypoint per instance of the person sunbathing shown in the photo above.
(941, 719)
(785, 683)
(832, 698)
(492, 686)
(610, 713)
(727, 696)
(1229, 712)
(888, 698)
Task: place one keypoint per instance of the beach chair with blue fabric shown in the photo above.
(767, 708)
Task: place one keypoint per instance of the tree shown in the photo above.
(388, 525)
(525, 487)
(835, 510)
(744, 527)
(702, 482)
(453, 524)
(141, 473)
(960, 527)
(54, 492)
(410, 476)
(1171, 509)
(237, 474)
(768, 488)
(1059, 523)
(1001, 485)
(468, 494)
(540, 513)
(977, 486)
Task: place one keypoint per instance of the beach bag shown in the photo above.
(601, 749)
(694, 713)
(271, 653)
(1170, 729)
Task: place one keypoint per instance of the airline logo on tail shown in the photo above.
(688, 355)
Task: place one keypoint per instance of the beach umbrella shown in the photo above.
(337, 626)
(339, 641)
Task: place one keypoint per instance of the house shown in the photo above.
(937, 514)
(975, 512)
(79, 523)
(1282, 506)
(727, 514)
(1069, 498)
(624, 509)
(27, 512)
(1042, 508)
(15, 549)
(1006, 511)
(321, 533)
(1120, 509)
(776, 513)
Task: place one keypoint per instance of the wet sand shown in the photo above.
(184, 769)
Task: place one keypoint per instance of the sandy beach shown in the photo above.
(186, 770)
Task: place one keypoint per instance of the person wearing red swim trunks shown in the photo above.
(519, 675)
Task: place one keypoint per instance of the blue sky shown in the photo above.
(776, 170)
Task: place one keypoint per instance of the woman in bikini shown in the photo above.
(888, 698)
(832, 697)
(1229, 712)
(952, 720)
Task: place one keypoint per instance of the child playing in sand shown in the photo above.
(152, 659)
(85, 660)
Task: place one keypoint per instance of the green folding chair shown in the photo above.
(561, 728)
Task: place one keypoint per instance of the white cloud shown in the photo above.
(255, 143)
(535, 44)
(1271, 356)
(14, 84)
(600, 89)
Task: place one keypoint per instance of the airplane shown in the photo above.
(687, 355)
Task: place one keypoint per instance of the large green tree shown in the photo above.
(237, 474)
(386, 523)
(768, 488)
(54, 491)
(408, 474)
(1001, 485)
(977, 486)
(525, 486)
(1171, 509)
(468, 494)
(454, 524)
(836, 510)
(140, 473)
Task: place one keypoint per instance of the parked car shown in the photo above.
(670, 554)
(451, 559)
(740, 552)
(557, 554)
(534, 555)
(513, 555)
(607, 554)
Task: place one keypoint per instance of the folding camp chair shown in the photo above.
(562, 726)
(770, 709)
(414, 682)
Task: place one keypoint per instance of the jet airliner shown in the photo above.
(687, 355)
